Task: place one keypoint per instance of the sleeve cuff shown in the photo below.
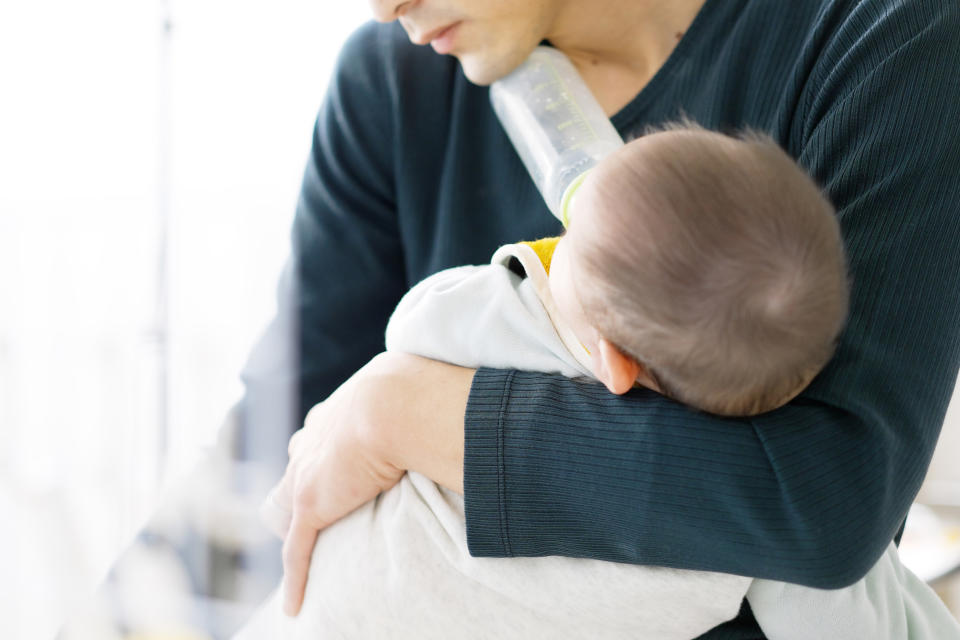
(483, 470)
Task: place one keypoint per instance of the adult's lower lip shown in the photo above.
(443, 42)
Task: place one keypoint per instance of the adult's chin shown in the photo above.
(485, 69)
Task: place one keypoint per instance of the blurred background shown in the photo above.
(151, 153)
(150, 159)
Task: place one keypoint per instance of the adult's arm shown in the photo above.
(811, 493)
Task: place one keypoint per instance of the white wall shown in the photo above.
(134, 163)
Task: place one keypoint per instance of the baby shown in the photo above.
(707, 268)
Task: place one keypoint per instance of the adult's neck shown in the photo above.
(619, 45)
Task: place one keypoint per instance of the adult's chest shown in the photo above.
(462, 191)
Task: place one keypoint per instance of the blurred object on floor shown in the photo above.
(931, 542)
(931, 539)
(199, 568)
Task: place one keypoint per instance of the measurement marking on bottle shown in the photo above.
(545, 85)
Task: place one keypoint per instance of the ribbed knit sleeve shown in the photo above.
(813, 492)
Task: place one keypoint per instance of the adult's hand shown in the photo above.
(398, 412)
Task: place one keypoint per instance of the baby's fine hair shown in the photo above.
(719, 264)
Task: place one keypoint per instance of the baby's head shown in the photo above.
(707, 267)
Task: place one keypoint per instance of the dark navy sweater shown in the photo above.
(411, 173)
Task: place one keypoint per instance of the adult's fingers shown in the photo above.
(276, 513)
(294, 439)
(277, 509)
(297, 549)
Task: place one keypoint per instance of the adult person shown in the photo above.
(410, 173)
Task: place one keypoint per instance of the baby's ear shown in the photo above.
(615, 369)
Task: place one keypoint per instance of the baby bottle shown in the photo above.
(554, 122)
